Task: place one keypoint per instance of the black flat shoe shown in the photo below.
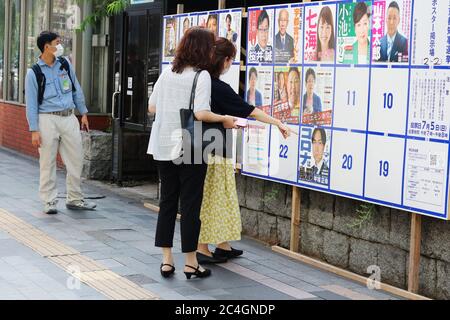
(167, 273)
(229, 254)
(204, 259)
(199, 274)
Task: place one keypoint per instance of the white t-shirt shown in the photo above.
(171, 93)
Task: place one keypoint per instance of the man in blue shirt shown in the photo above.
(53, 124)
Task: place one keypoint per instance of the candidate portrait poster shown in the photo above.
(354, 32)
(288, 35)
(170, 38)
(287, 94)
(391, 26)
(186, 22)
(259, 87)
(320, 33)
(318, 90)
(260, 36)
(314, 155)
(209, 21)
(230, 28)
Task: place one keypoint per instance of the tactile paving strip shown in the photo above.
(83, 268)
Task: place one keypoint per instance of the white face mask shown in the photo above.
(227, 68)
(59, 51)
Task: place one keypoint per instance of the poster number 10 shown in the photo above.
(388, 100)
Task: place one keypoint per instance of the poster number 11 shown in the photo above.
(351, 98)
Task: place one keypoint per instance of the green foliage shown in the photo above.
(102, 9)
(271, 195)
(365, 214)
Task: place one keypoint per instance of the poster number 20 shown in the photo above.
(347, 162)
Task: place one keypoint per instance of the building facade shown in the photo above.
(21, 21)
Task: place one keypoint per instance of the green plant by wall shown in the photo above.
(102, 9)
(271, 195)
(365, 214)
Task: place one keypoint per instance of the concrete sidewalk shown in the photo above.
(114, 246)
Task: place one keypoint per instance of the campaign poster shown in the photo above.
(288, 35)
(314, 155)
(170, 38)
(259, 87)
(430, 44)
(354, 32)
(317, 101)
(320, 39)
(286, 94)
(230, 28)
(391, 25)
(186, 22)
(260, 36)
(429, 114)
(209, 21)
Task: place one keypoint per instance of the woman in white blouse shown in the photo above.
(182, 181)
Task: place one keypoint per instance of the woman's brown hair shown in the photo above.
(194, 50)
(224, 49)
(326, 16)
(361, 9)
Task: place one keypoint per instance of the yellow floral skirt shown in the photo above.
(220, 213)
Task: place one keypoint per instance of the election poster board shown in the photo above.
(223, 23)
(365, 87)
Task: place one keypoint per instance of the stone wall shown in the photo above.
(329, 233)
(97, 155)
(97, 163)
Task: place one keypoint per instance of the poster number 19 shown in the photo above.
(384, 168)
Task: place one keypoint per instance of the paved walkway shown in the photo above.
(112, 252)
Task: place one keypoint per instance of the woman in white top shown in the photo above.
(182, 181)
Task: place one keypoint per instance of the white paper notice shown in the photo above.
(425, 175)
(256, 152)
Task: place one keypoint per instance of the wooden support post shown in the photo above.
(295, 215)
(222, 4)
(414, 252)
(180, 8)
(295, 219)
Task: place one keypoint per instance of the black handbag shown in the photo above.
(198, 135)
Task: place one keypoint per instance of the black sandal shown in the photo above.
(167, 273)
(199, 274)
